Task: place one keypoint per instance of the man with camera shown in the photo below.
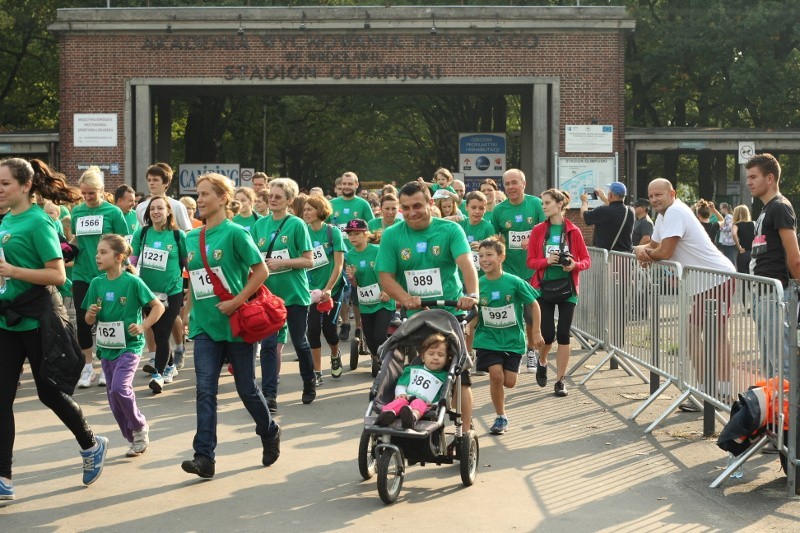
(613, 221)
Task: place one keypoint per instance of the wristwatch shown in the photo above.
(471, 295)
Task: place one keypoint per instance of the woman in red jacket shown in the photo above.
(556, 251)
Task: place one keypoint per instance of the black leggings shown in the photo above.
(374, 327)
(565, 312)
(163, 328)
(85, 338)
(324, 323)
(17, 345)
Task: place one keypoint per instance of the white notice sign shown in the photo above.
(94, 130)
(589, 139)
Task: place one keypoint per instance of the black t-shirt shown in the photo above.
(643, 226)
(768, 252)
(606, 220)
(745, 231)
(712, 229)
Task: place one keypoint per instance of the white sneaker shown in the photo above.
(101, 381)
(156, 383)
(141, 439)
(169, 374)
(87, 376)
(531, 362)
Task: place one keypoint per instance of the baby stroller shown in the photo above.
(385, 449)
(358, 346)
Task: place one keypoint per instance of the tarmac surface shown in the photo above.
(574, 463)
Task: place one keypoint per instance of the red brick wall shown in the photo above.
(94, 68)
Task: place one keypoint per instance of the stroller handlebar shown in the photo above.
(472, 313)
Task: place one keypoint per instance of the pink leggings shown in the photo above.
(415, 404)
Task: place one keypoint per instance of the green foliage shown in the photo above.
(28, 65)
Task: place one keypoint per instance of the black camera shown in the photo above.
(564, 258)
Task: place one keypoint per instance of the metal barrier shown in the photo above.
(792, 463)
(710, 334)
(589, 323)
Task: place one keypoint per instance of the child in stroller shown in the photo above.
(386, 448)
(420, 385)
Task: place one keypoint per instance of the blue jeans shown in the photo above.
(208, 358)
(297, 320)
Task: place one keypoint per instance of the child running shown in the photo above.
(419, 386)
(114, 301)
(500, 334)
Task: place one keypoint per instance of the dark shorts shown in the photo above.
(508, 360)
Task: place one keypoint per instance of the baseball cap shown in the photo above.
(357, 224)
(618, 188)
(642, 202)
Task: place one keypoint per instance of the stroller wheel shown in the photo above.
(366, 455)
(469, 458)
(390, 475)
(376, 366)
(354, 353)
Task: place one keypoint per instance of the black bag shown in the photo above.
(557, 291)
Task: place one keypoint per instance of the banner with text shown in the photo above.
(189, 173)
(481, 156)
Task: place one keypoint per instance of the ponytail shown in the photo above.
(52, 185)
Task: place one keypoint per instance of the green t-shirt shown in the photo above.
(435, 187)
(246, 222)
(159, 258)
(480, 231)
(346, 210)
(88, 225)
(367, 279)
(28, 240)
(292, 242)
(423, 262)
(64, 212)
(551, 243)
(514, 223)
(501, 326)
(320, 273)
(121, 301)
(463, 208)
(232, 252)
(131, 221)
(376, 224)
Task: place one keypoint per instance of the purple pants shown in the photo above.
(121, 398)
(416, 404)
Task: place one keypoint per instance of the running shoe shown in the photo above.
(272, 449)
(689, 407)
(531, 361)
(178, 356)
(101, 380)
(87, 376)
(272, 405)
(150, 367)
(6, 490)
(141, 440)
(93, 460)
(560, 389)
(499, 427)
(318, 378)
(336, 365)
(309, 392)
(344, 333)
(170, 373)
(156, 383)
(541, 374)
(201, 465)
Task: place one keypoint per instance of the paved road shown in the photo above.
(566, 463)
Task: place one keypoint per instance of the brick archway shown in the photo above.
(566, 63)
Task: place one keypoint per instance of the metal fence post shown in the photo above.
(792, 467)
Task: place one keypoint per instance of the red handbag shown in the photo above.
(262, 315)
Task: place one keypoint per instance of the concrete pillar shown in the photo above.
(538, 179)
(526, 137)
(164, 111)
(143, 134)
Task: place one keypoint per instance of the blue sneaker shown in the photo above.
(93, 461)
(499, 427)
(6, 490)
(178, 355)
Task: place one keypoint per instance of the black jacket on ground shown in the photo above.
(62, 359)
